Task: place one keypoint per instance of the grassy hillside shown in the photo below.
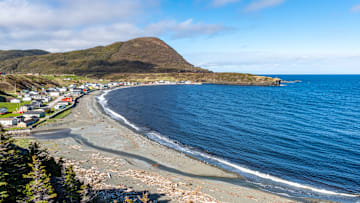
(4, 55)
(141, 59)
(213, 78)
(7, 82)
(141, 55)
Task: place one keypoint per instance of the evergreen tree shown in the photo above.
(35, 150)
(73, 187)
(39, 189)
(87, 194)
(49, 162)
(13, 165)
(3, 186)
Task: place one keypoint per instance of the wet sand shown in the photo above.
(112, 158)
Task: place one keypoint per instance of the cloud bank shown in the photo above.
(260, 62)
(62, 25)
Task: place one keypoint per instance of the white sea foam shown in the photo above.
(172, 144)
(103, 101)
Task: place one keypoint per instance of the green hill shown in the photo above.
(141, 55)
(135, 60)
(4, 55)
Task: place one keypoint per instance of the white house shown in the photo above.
(27, 99)
(37, 114)
(62, 90)
(37, 96)
(46, 99)
(15, 101)
(3, 110)
(26, 123)
(72, 86)
(76, 92)
(34, 93)
(64, 102)
(59, 106)
(7, 122)
(25, 108)
(55, 94)
(36, 104)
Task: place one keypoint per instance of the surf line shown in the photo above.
(167, 142)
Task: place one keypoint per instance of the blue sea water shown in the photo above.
(301, 140)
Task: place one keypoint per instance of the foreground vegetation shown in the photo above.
(31, 175)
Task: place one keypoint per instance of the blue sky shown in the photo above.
(253, 36)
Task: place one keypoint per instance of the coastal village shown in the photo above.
(108, 176)
(28, 108)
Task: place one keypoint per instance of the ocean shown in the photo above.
(300, 140)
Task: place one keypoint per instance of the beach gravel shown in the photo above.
(118, 162)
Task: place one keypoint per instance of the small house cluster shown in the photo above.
(34, 105)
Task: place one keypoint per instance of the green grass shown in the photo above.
(12, 107)
(15, 128)
(53, 120)
(10, 115)
(23, 142)
(63, 114)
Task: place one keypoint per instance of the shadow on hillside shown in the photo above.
(100, 67)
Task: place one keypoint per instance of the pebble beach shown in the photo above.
(118, 162)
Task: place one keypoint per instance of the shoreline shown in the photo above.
(227, 167)
(161, 157)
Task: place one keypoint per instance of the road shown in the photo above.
(54, 102)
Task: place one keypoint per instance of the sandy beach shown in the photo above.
(119, 162)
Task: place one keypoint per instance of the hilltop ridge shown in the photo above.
(141, 59)
(10, 54)
(140, 55)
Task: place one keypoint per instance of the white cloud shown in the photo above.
(268, 62)
(80, 24)
(219, 3)
(66, 13)
(258, 5)
(184, 29)
(89, 36)
(356, 8)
